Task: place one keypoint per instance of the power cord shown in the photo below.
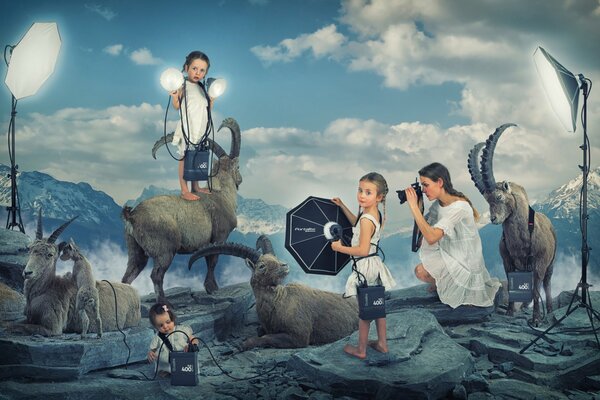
(190, 346)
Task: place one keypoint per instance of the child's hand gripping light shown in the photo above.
(171, 79)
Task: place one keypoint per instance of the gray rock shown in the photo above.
(514, 389)
(418, 362)
(14, 254)
(67, 356)
(459, 392)
(12, 304)
(475, 383)
(419, 297)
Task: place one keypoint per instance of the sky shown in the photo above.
(324, 91)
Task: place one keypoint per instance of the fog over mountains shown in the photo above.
(99, 231)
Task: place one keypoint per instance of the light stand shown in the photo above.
(32, 61)
(14, 211)
(585, 300)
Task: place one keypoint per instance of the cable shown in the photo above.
(163, 343)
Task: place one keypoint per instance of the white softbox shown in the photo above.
(32, 60)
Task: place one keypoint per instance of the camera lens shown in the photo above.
(401, 196)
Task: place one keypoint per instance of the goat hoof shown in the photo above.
(211, 286)
(249, 344)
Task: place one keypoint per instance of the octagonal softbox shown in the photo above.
(33, 59)
(305, 236)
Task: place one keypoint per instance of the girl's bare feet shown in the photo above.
(353, 351)
(202, 190)
(189, 196)
(164, 374)
(374, 344)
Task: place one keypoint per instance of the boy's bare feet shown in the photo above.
(374, 344)
(189, 196)
(353, 351)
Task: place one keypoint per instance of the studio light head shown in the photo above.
(561, 87)
(215, 87)
(171, 79)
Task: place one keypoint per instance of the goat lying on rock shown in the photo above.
(87, 301)
(163, 226)
(509, 206)
(50, 299)
(292, 315)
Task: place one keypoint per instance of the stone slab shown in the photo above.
(417, 365)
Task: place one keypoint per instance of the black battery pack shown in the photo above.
(184, 368)
(371, 302)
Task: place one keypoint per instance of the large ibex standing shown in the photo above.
(163, 226)
(509, 206)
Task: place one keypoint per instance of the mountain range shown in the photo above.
(99, 219)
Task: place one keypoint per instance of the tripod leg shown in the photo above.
(591, 314)
(539, 336)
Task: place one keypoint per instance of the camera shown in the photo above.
(402, 193)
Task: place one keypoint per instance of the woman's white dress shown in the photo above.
(456, 260)
(196, 117)
(373, 268)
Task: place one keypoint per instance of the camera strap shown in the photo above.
(417, 235)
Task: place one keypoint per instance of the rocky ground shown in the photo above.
(477, 358)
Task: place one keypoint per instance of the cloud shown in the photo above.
(104, 12)
(144, 56)
(324, 42)
(485, 47)
(113, 50)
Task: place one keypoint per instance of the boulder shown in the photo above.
(14, 253)
(12, 304)
(416, 366)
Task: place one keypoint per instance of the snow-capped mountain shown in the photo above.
(564, 202)
(98, 215)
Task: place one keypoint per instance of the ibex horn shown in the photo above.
(227, 248)
(487, 157)
(59, 230)
(264, 244)
(161, 142)
(217, 150)
(473, 165)
(39, 232)
(235, 136)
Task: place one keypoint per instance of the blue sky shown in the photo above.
(324, 91)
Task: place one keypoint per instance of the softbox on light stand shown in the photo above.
(30, 64)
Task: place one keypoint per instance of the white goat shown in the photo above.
(87, 302)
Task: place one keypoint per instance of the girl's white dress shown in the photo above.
(456, 260)
(178, 341)
(373, 268)
(196, 117)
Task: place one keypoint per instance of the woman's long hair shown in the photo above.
(436, 171)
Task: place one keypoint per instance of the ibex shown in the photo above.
(87, 302)
(509, 206)
(163, 226)
(292, 315)
(51, 299)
